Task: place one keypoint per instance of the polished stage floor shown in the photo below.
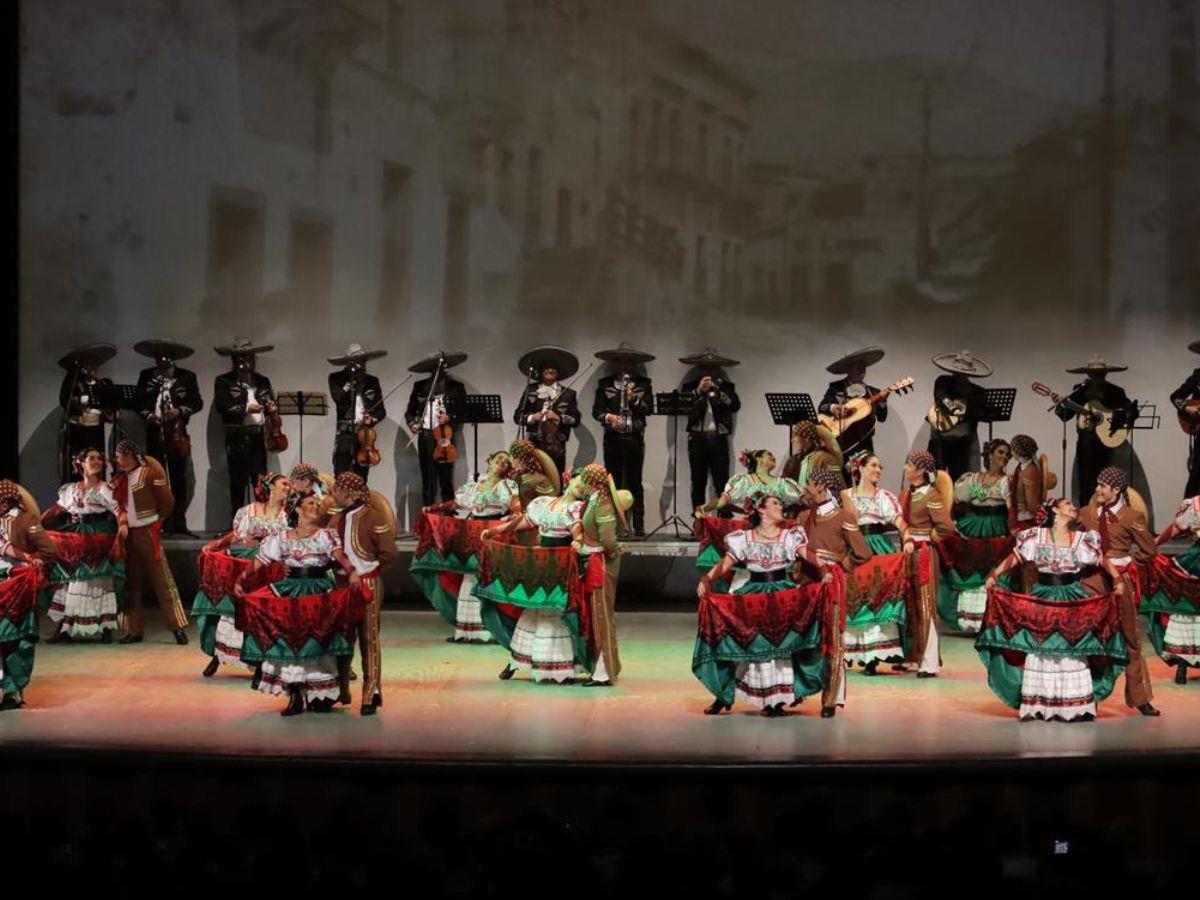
(444, 703)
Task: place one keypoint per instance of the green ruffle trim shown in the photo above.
(889, 611)
(280, 652)
(974, 526)
(1159, 602)
(106, 568)
(18, 666)
(1189, 560)
(765, 587)
(439, 598)
(1004, 679)
(11, 630)
(207, 615)
(241, 551)
(707, 558)
(1058, 591)
(883, 544)
(109, 526)
(433, 561)
(993, 638)
(716, 667)
(555, 598)
(303, 587)
(951, 584)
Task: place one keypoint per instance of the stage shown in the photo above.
(444, 705)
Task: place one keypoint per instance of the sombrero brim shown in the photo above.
(867, 357)
(365, 356)
(619, 353)
(244, 351)
(1194, 346)
(157, 348)
(92, 354)
(947, 364)
(1089, 370)
(429, 364)
(542, 357)
(711, 360)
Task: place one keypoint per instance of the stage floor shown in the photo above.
(444, 703)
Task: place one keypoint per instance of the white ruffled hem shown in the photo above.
(872, 643)
(541, 645)
(768, 683)
(1056, 687)
(972, 603)
(85, 608)
(468, 624)
(228, 642)
(318, 678)
(1181, 640)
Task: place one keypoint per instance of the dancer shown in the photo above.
(600, 566)
(1172, 597)
(925, 506)
(224, 559)
(982, 502)
(1068, 673)
(767, 676)
(452, 550)
(1031, 482)
(141, 488)
(534, 472)
(759, 478)
(25, 551)
(304, 664)
(876, 637)
(366, 528)
(1121, 526)
(550, 637)
(813, 447)
(89, 527)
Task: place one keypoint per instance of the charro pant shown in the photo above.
(246, 457)
(143, 571)
(624, 455)
(708, 456)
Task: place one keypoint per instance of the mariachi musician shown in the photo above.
(713, 401)
(1186, 399)
(83, 419)
(167, 397)
(434, 412)
(1091, 454)
(547, 411)
(359, 401)
(244, 399)
(624, 399)
(958, 405)
(853, 386)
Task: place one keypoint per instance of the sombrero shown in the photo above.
(355, 353)
(157, 347)
(964, 362)
(865, 358)
(622, 351)
(1096, 366)
(243, 347)
(546, 357)
(708, 358)
(94, 355)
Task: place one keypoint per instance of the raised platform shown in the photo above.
(445, 705)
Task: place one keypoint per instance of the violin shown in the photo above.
(444, 450)
(367, 454)
(273, 436)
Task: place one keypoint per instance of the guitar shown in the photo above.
(1093, 417)
(857, 421)
(1189, 417)
(943, 417)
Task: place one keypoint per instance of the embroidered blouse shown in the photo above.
(882, 509)
(477, 500)
(1036, 545)
(974, 489)
(758, 555)
(741, 488)
(79, 499)
(251, 523)
(1187, 517)
(554, 519)
(296, 552)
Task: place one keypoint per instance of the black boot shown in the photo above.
(180, 636)
(131, 639)
(256, 678)
(869, 668)
(368, 709)
(60, 637)
(107, 636)
(211, 669)
(295, 703)
(717, 708)
(1147, 709)
(508, 673)
(11, 701)
(828, 712)
(1181, 673)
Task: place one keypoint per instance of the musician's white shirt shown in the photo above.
(431, 411)
(547, 394)
(251, 418)
(165, 383)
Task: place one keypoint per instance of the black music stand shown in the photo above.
(997, 406)
(673, 404)
(787, 410)
(117, 397)
(301, 404)
(481, 409)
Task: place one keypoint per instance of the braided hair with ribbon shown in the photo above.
(262, 487)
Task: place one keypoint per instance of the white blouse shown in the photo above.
(251, 524)
(78, 499)
(1035, 545)
(758, 555)
(972, 488)
(295, 553)
(1187, 517)
(882, 509)
(553, 520)
(476, 500)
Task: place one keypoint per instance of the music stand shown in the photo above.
(481, 409)
(117, 397)
(787, 410)
(673, 404)
(301, 404)
(997, 406)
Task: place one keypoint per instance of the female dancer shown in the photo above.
(534, 472)
(813, 447)
(982, 501)
(492, 497)
(769, 551)
(89, 575)
(1175, 633)
(224, 559)
(758, 479)
(545, 641)
(25, 551)
(1064, 679)
(306, 549)
(872, 638)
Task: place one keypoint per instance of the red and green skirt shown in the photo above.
(448, 548)
(966, 563)
(879, 594)
(296, 619)
(219, 571)
(1054, 621)
(20, 589)
(1171, 604)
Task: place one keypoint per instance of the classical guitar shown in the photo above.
(943, 417)
(857, 421)
(1091, 416)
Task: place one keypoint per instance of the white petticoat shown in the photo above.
(468, 625)
(766, 683)
(228, 641)
(872, 642)
(1056, 686)
(542, 644)
(317, 676)
(85, 607)
(1181, 641)
(972, 603)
